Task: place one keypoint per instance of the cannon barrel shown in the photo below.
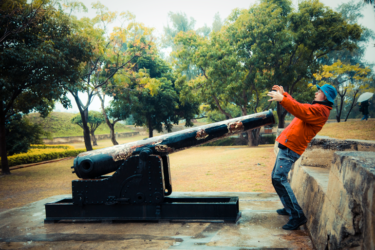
(95, 163)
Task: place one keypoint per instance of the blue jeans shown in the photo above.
(284, 161)
(365, 117)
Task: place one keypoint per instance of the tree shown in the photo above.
(113, 57)
(20, 133)
(94, 120)
(114, 113)
(180, 23)
(221, 85)
(204, 31)
(155, 97)
(347, 79)
(217, 23)
(36, 65)
(16, 16)
(281, 46)
(351, 12)
(369, 2)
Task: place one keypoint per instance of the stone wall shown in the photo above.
(334, 182)
(72, 139)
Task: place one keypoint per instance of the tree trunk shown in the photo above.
(150, 128)
(249, 138)
(86, 131)
(339, 110)
(84, 112)
(253, 137)
(351, 107)
(94, 143)
(109, 124)
(112, 133)
(3, 148)
(281, 113)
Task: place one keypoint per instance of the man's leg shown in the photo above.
(274, 183)
(284, 162)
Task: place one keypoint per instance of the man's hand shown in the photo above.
(278, 88)
(276, 95)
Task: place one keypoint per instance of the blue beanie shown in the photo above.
(329, 91)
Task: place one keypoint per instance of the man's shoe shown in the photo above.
(294, 223)
(282, 211)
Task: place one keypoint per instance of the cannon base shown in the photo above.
(208, 209)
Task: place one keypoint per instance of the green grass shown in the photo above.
(58, 124)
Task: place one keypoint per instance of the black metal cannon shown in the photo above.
(141, 183)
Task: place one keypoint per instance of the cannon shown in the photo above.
(140, 187)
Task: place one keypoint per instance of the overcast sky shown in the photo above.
(154, 13)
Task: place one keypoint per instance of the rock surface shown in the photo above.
(258, 228)
(338, 197)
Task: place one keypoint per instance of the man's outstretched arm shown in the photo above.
(306, 112)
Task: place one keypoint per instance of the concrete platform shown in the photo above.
(258, 228)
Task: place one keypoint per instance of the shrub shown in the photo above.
(51, 146)
(229, 141)
(42, 154)
(267, 138)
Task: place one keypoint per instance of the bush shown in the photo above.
(229, 141)
(20, 133)
(42, 154)
(268, 139)
(43, 146)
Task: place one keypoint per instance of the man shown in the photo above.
(364, 109)
(309, 120)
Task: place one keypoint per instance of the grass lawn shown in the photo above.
(236, 169)
(352, 129)
(59, 125)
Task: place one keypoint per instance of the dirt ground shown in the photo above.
(229, 169)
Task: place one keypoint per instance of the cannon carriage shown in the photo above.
(140, 187)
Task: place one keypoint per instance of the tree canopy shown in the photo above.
(37, 64)
(268, 44)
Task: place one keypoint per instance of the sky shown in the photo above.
(154, 13)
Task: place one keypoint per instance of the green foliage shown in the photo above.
(349, 80)
(352, 13)
(268, 138)
(155, 98)
(37, 64)
(217, 23)
(43, 146)
(20, 133)
(180, 22)
(268, 44)
(114, 53)
(94, 119)
(39, 59)
(215, 115)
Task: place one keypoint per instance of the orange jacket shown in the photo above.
(309, 120)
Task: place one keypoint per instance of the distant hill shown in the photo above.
(58, 124)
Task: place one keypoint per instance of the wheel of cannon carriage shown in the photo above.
(158, 197)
